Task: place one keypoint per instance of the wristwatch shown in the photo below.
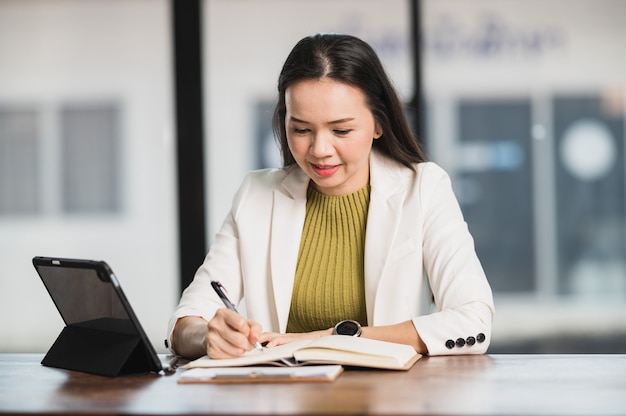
(350, 328)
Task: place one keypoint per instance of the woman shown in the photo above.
(356, 228)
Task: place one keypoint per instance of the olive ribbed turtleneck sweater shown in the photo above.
(329, 284)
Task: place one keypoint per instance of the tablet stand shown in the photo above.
(99, 352)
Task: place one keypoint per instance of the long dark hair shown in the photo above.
(349, 60)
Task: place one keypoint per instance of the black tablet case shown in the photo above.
(102, 334)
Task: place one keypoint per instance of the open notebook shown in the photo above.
(332, 349)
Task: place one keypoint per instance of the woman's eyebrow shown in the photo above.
(297, 120)
(341, 120)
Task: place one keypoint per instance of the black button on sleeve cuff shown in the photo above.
(460, 342)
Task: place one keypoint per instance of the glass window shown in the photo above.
(589, 175)
(18, 162)
(90, 162)
(494, 184)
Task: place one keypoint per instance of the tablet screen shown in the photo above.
(82, 296)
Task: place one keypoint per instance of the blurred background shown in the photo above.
(521, 101)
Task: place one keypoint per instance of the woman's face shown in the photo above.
(330, 131)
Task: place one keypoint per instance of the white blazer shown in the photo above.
(417, 250)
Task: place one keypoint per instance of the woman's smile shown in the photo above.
(325, 170)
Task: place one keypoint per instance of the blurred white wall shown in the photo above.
(54, 52)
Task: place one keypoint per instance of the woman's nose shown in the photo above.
(320, 145)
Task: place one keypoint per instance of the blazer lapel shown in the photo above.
(387, 194)
(289, 210)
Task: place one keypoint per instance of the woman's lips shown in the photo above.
(325, 170)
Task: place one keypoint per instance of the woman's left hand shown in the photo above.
(274, 339)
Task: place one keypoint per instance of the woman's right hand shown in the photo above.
(227, 335)
(230, 334)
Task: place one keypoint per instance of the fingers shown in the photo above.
(230, 335)
(273, 339)
(255, 332)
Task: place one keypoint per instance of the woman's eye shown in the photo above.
(300, 131)
(342, 132)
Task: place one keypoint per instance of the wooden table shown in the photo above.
(459, 385)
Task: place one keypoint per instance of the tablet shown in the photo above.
(102, 334)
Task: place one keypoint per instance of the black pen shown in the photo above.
(218, 289)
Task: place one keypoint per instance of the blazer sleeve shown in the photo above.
(461, 293)
(222, 263)
(239, 256)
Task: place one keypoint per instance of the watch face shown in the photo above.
(348, 328)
